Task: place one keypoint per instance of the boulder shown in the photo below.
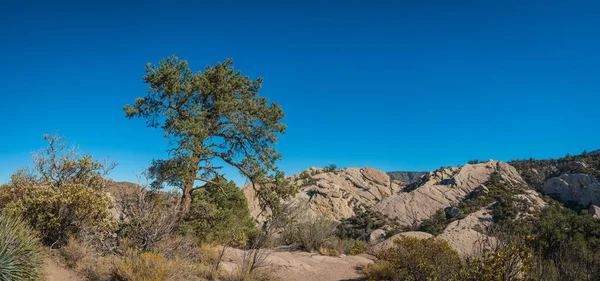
(468, 236)
(377, 236)
(580, 188)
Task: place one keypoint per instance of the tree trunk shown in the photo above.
(186, 198)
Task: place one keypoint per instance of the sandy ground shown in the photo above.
(54, 272)
(287, 264)
(300, 266)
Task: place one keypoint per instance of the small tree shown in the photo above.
(211, 117)
(63, 194)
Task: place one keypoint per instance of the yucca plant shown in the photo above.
(21, 255)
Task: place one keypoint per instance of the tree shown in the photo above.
(211, 117)
(220, 217)
(62, 195)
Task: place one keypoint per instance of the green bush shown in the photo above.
(415, 259)
(21, 256)
(219, 214)
(58, 213)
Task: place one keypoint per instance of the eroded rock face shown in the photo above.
(336, 194)
(580, 188)
(443, 188)
(467, 236)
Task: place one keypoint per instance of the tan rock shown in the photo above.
(467, 236)
(444, 188)
(336, 194)
(377, 236)
(580, 188)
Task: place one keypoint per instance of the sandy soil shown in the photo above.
(300, 266)
(54, 272)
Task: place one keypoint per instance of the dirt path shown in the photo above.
(301, 266)
(54, 272)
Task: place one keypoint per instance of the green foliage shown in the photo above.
(360, 225)
(415, 259)
(536, 172)
(330, 168)
(219, 213)
(213, 115)
(568, 241)
(21, 256)
(358, 247)
(62, 196)
(510, 262)
(59, 213)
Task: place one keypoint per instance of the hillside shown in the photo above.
(406, 177)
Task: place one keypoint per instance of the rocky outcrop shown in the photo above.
(406, 177)
(580, 188)
(336, 194)
(467, 236)
(442, 189)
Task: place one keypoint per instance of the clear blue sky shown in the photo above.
(399, 85)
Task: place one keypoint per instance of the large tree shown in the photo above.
(212, 118)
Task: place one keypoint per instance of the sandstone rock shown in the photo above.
(388, 243)
(442, 189)
(594, 211)
(467, 236)
(580, 188)
(335, 194)
(377, 236)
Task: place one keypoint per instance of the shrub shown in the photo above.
(510, 262)
(360, 225)
(74, 252)
(310, 235)
(58, 213)
(415, 259)
(99, 269)
(219, 214)
(145, 266)
(21, 257)
(148, 217)
(330, 168)
(358, 247)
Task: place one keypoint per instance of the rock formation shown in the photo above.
(442, 189)
(580, 188)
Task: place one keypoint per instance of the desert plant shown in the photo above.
(415, 259)
(219, 214)
(148, 217)
(21, 256)
(311, 234)
(62, 212)
(213, 115)
(144, 266)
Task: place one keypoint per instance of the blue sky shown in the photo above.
(402, 85)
